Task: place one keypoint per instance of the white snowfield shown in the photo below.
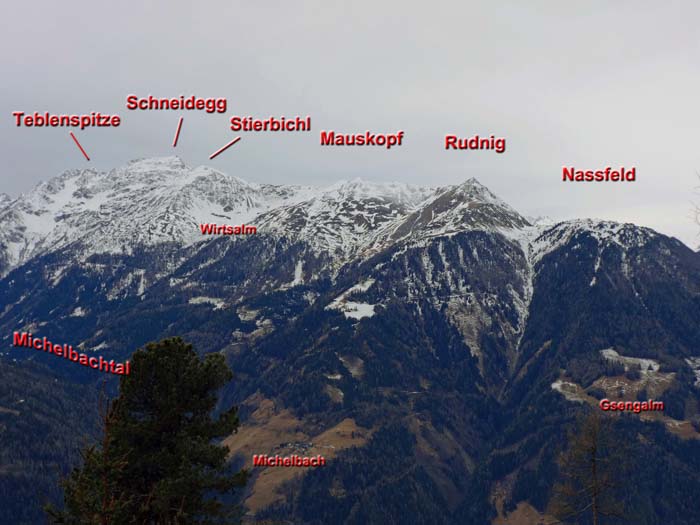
(214, 301)
(351, 309)
(646, 365)
(161, 200)
(571, 391)
(357, 311)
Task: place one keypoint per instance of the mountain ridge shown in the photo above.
(434, 348)
(162, 200)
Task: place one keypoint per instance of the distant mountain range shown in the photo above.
(433, 343)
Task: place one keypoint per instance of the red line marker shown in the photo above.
(177, 133)
(78, 144)
(221, 150)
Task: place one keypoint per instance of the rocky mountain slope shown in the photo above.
(433, 342)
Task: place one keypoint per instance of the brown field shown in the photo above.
(274, 430)
(524, 514)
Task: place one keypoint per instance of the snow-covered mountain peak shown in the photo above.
(340, 218)
(471, 190)
(145, 202)
(626, 235)
(466, 206)
(359, 189)
(606, 233)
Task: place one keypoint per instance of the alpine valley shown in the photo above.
(433, 344)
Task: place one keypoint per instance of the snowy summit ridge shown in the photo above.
(162, 200)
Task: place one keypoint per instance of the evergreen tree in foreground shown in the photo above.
(158, 462)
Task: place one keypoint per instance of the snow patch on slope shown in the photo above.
(571, 391)
(694, 363)
(214, 301)
(646, 365)
(352, 309)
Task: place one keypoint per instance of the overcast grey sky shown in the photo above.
(594, 84)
